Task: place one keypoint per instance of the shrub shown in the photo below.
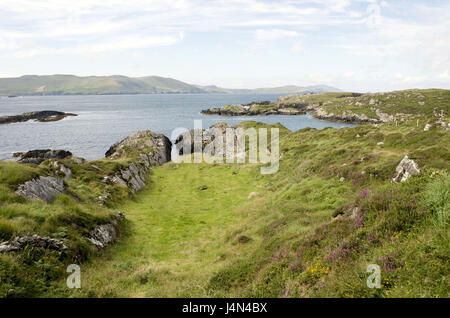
(437, 199)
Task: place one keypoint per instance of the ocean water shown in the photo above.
(104, 119)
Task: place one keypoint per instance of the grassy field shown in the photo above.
(176, 234)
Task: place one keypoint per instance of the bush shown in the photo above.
(437, 199)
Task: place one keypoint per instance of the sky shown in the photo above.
(362, 45)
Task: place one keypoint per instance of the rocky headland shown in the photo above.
(371, 108)
(40, 116)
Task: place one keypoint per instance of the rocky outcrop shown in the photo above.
(255, 108)
(134, 177)
(62, 169)
(245, 111)
(347, 116)
(106, 234)
(438, 124)
(39, 155)
(41, 116)
(148, 148)
(42, 188)
(405, 169)
(18, 243)
(197, 140)
(156, 147)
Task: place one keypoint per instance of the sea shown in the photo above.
(105, 119)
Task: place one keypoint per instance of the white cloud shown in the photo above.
(348, 75)
(407, 79)
(274, 34)
(445, 75)
(343, 36)
(298, 48)
(120, 44)
(320, 78)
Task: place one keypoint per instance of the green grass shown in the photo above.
(69, 218)
(176, 234)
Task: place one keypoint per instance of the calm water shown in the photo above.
(105, 119)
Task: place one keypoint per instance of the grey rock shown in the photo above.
(105, 234)
(156, 147)
(42, 188)
(36, 241)
(67, 172)
(39, 155)
(78, 160)
(212, 141)
(405, 169)
(195, 140)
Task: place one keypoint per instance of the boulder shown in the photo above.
(156, 147)
(195, 140)
(105, 234)
(39, 155)
(148, 148)
(405, 169)
(134, 177)
(42, 188)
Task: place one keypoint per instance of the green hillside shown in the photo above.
(225, 230)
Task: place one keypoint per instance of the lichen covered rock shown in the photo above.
(42, 188)
(148, 149)
(156, 147)
(405, 169)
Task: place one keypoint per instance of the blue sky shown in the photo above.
(354, 45)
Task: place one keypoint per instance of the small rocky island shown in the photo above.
(41, 116)
(255, 108)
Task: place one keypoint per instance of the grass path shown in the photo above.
(176, 236)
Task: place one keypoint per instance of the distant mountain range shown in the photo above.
(118, 84)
